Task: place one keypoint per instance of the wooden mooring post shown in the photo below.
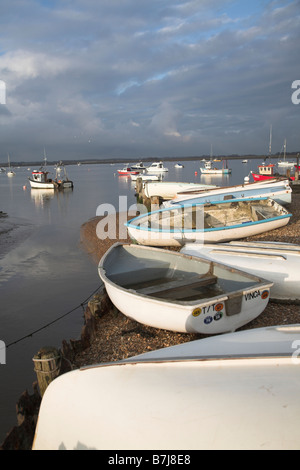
(47, 364)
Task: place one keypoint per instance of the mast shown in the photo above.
(270, 142)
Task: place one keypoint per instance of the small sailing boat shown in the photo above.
(284, 162)
(10, 172)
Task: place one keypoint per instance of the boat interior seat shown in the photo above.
(178, 286)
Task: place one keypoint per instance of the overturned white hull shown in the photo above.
(279, 191)
(168, 290)
(278, 262)
(237, 391)
(168, 189)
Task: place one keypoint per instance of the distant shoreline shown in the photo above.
(124, 161)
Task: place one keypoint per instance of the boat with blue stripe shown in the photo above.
(279, 190)
(212, 222)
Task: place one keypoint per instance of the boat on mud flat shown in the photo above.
(277, 262)
(237, 391)
(214, 222)
(168, 290)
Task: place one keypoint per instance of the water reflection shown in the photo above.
(41, 197)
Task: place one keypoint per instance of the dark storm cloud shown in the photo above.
(127, 78)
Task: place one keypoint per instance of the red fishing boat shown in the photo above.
(127, 171)
(266, 172)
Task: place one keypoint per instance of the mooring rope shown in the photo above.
(29, 335)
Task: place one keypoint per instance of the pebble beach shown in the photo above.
(118, 337)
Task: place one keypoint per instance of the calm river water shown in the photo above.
(45, 273)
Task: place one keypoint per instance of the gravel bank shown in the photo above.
(118, 337)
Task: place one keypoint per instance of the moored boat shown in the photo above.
(138, 166)
(263, 174)
(207, 223)
(127, 171)
(157, 167)
(10, 173)
(39, 180)
(277, 262)
(285, 163)
(209, 169)
(168, 290)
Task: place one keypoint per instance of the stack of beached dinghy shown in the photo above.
(238, 390)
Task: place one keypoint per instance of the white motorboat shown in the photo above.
(168, 290)
(278, 262)
(279, 190)
(237, 391)
(168, 189)
(207, 223)
(157, 167)
(178, 166)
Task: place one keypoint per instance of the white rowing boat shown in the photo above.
(169, 290)
(279, 190)
(169, 189)
(237, 391)
(278, 262)
(207, 223)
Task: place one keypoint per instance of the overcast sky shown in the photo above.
(140, 78)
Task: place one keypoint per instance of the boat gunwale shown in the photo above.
(132, 222)
(259, 282)
(275, 181)
(135, 361)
